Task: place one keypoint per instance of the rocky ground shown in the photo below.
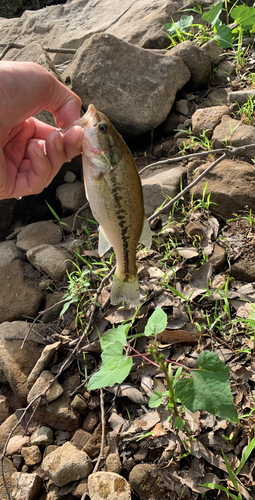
(203, 248)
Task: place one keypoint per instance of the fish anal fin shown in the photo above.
(103, 243)
(146, 238)
(125, 289)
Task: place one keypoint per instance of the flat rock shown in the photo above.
(160, 184)
(136, 106)
(68, 25)
(18, 295)
(234, 133)
(50, 260)
(109, 486)
(67, 464)
(44, 360)
(196, 60)
(9, 469)
(26, 486)
(17, 363)
(71, 196)
(38, 233)
(9, 252)
(231, 184)
(243, 269)
(206, 119)
(54, 392)
(241, 96)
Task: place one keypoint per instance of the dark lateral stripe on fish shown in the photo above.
(123, 224)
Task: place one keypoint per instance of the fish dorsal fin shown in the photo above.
(146, 238)
(103, 243)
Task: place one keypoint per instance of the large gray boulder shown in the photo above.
(135, 88)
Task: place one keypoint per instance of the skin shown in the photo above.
(32, 152)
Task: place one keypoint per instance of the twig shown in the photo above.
(14, 45)
(101, 454)
(227, 152)
(78, 212)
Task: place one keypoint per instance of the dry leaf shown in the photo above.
(128, 390)
(177, 337)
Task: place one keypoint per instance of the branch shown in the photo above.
(13, 45)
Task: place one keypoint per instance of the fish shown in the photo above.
(114, 191)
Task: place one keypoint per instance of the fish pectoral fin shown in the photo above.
(126, 289)
(146, 238)
(103, 243)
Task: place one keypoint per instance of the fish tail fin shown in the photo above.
(126, 289)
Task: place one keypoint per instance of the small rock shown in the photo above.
(69, 176)
(80, 438)
(92, 446)
(39, 233)
(109, 486)
(224, 70)
(94, 402)
(42, 437)
(213, 50)
(207, 119)
(182, 106)
(160, 184)
(50, 260)
(218, 258)
(113, 463)
(18, 461)
(31, 455)
(9, 252)
(6, 427)
(241, 96)
(147, 481)
(141, 455)
(79, 403)
(9, 469)
(243, 270)
(40, 385)
(16, 444)
(45, 358)
(194, 58)
(90, 421)
(67, 464)
(234, 132)
(26, 486)
(80, 489)
(71, 196)
(51, 300)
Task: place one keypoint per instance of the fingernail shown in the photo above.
(58, 141)
(38, 150)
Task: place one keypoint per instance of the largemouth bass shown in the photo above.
(114, 191)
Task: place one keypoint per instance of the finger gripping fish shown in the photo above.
(114, 191)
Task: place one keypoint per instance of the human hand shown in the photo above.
(32, 152)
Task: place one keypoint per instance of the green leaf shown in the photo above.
(52, 210)
(65, 307)
(155, 399)
(244, 15)
(246, 455)
(223, 36)
(220, 487)
(156, 323)
(113, 335)
(209, 388)
(213, 14)
(180, 26)
(114, 369)
(230, 473)
(179, 422)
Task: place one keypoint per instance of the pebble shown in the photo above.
(90, 421)
(31, 455)
(113, 463)
(66, 464)
(80, 438)
(44, 360)
(42, 436)
(16, 443)
(26, 486)
(109, 486)
(79, 403)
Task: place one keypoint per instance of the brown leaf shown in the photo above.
(177, 337)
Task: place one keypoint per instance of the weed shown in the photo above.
(246, 111)
(76, 293)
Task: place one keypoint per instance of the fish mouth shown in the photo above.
(89, 118)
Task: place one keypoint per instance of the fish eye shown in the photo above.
(102, 127)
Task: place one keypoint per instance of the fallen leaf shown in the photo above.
(177, 337)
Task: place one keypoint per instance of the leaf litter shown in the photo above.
(208, 329)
